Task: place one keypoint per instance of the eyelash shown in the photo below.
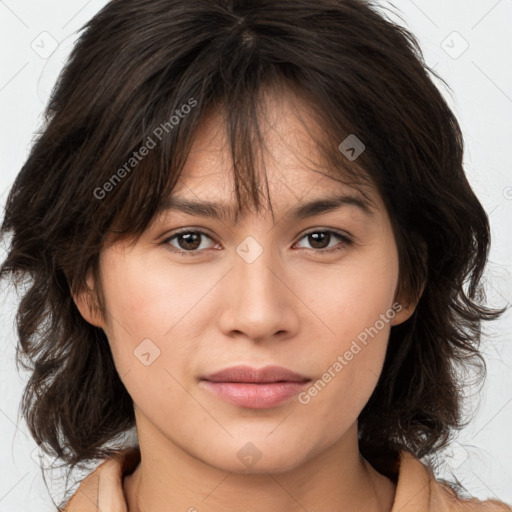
(344, 238)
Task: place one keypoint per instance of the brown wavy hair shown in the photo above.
(136, 64)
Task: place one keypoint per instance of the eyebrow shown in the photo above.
(303, 210)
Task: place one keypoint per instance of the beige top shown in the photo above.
(417, 489)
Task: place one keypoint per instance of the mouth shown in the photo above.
(248, 374)
(255, 388)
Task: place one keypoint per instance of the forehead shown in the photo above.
(289, 165)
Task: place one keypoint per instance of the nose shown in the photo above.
(259, 303)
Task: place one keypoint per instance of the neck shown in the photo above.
(170, 478)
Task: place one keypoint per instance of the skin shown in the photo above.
(290, 307)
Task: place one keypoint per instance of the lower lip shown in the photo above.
(253, 395)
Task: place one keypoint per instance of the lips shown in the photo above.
(254, 388)
(247, 374)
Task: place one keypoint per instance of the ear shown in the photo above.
(405, 308)
(407, 305)
(87, 303)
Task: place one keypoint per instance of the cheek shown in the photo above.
(351, 363)
(148, 297)
(157, 318)
(355, 309)
(144, 307)
(148, 312)
(349, 298)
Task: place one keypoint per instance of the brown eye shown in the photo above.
(187, 242)
(319, 241)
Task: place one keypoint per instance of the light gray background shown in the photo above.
(481, 78)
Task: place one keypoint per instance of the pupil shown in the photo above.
(316, 244)
(189, 240)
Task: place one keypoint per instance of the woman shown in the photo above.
(249, 236)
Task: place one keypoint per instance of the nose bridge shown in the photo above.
(253, 263)
(258, 304)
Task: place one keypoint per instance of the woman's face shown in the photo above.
(253, 293)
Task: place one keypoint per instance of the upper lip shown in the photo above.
(243, 373)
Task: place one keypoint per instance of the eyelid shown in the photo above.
(338, 232)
